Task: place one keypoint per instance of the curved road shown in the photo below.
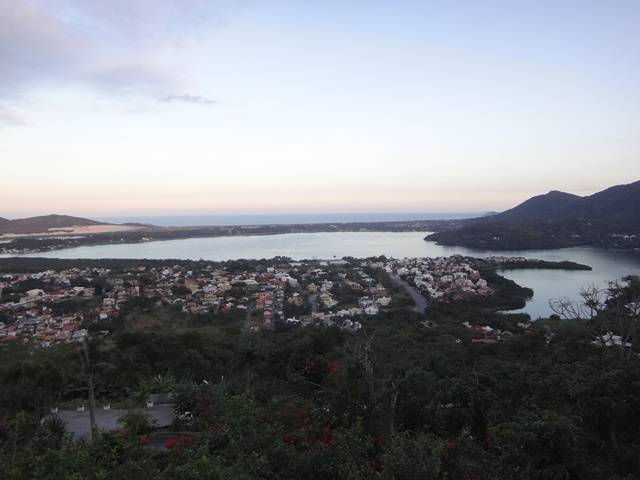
(421, 303)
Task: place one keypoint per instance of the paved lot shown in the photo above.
(79, 425)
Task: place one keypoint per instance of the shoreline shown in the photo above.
(47, 242)
(50, 243)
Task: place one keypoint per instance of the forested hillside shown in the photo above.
(609, 219)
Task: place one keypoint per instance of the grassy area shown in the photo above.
(159, 317)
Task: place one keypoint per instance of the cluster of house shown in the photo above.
(339, 296)
(31, 313)
(449, 278)
(4, 250)
(57, 306)
(62, 306)
(486, 334)
(500, 259)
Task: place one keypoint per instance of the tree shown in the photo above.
(612, 315)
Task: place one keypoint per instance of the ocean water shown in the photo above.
(284, 219)
(547, 284)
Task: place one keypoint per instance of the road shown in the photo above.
(313, 300)
(421, 303)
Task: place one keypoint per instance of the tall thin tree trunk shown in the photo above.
(91, 394)
(392, 408)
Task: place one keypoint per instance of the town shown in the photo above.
(65, 305)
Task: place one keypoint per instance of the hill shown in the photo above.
(43, 223)
(3, 221)
(553, 206)
(619, 205)
(610, 218)
(616, 205)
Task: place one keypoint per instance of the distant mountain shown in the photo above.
(3, 221)
(610, 218)
(616, 205)
(43, 223)
(551, 206)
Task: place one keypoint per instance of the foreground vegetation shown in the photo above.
(395, 400)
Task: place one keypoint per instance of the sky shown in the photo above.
(119, 107)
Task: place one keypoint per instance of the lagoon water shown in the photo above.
(547, 284)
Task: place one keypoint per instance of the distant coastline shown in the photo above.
(608, 219)
(57, 232)
(213, 220)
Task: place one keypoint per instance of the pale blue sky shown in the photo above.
(121, 107)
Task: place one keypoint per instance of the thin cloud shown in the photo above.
(139, 75)
(116, 47)
(37, 47)
(9, 118)
(188, 98)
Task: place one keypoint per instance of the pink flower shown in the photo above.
(170, 443)
(333, 368)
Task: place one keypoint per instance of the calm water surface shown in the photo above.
(547, 284)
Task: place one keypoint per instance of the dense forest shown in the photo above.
(396, 400)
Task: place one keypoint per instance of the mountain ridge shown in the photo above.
(554, 206)
(609, 218)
